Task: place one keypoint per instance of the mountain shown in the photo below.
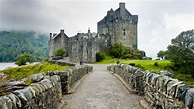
(14, 43)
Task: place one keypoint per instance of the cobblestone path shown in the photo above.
(101, 90)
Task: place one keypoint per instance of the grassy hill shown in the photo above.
(13, 43)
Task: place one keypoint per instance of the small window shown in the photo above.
(124, 32)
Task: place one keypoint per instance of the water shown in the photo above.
(5, 65)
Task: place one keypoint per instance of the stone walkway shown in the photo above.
(101, 90)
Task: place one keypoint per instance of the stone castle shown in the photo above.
(117, 26)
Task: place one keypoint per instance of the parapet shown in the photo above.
(159, 89)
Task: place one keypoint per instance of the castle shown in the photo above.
(117, 26)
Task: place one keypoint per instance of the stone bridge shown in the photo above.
(94, 87)
(101, 90)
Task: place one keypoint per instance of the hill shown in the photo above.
(14, 43)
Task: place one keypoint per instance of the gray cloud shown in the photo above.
(159, 21)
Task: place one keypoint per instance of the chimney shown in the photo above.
(62, 30)
(50, 35)
(89, 31)
(121, 5)
(122, 8)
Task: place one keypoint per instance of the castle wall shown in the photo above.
(116, 26)
(84, 46)
(126, 33)
(121, 25)
(58, 41)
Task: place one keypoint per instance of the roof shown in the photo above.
(117, 12)
(59, 34)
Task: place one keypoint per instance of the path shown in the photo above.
(101, 90)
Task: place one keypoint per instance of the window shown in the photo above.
(124, 32)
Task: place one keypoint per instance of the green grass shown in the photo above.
(145, 64)
(184, 77)
(27, 70)
(149, 65)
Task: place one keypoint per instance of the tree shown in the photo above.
(24, 58)
(59, 52)
(120, 51)
(13, 43)
(131, 53)
(181, 52)
(161, 54)
(100, 56)
(117, 50)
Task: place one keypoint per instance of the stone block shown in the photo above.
(154, 79)
(189, 98)
(22, 97)
(181, 92)
(169, 86)
(15, 101)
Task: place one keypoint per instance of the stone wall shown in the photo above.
(71, 76)
(45, 90)
(44, 94)
(62, 63)
(84, 46)
(160, 91)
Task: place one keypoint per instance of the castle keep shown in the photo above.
(117, 26)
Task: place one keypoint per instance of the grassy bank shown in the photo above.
(27, 70)
(145, 64)
(150, 65)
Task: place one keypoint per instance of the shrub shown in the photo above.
(118, 61)
(155, 63)
(169, 67)
(139, 66)
(24, 58)
(117, 50)
(100, 56)
(132, 64)
(59, 52)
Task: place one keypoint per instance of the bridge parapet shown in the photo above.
(160, 91)
(71, 76)
(45, 90)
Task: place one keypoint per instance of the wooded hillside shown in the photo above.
(14, 43)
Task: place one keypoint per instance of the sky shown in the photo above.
(159, 20)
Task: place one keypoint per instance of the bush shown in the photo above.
(155, 63)
(139, 66)
(117, 50)
(24, 58)
(100, 57)
(169, 67)
(118, 61)
(132, 64)
(59, 52)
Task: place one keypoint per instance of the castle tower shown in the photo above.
(121, 25)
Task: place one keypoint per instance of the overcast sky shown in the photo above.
(159, 20)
